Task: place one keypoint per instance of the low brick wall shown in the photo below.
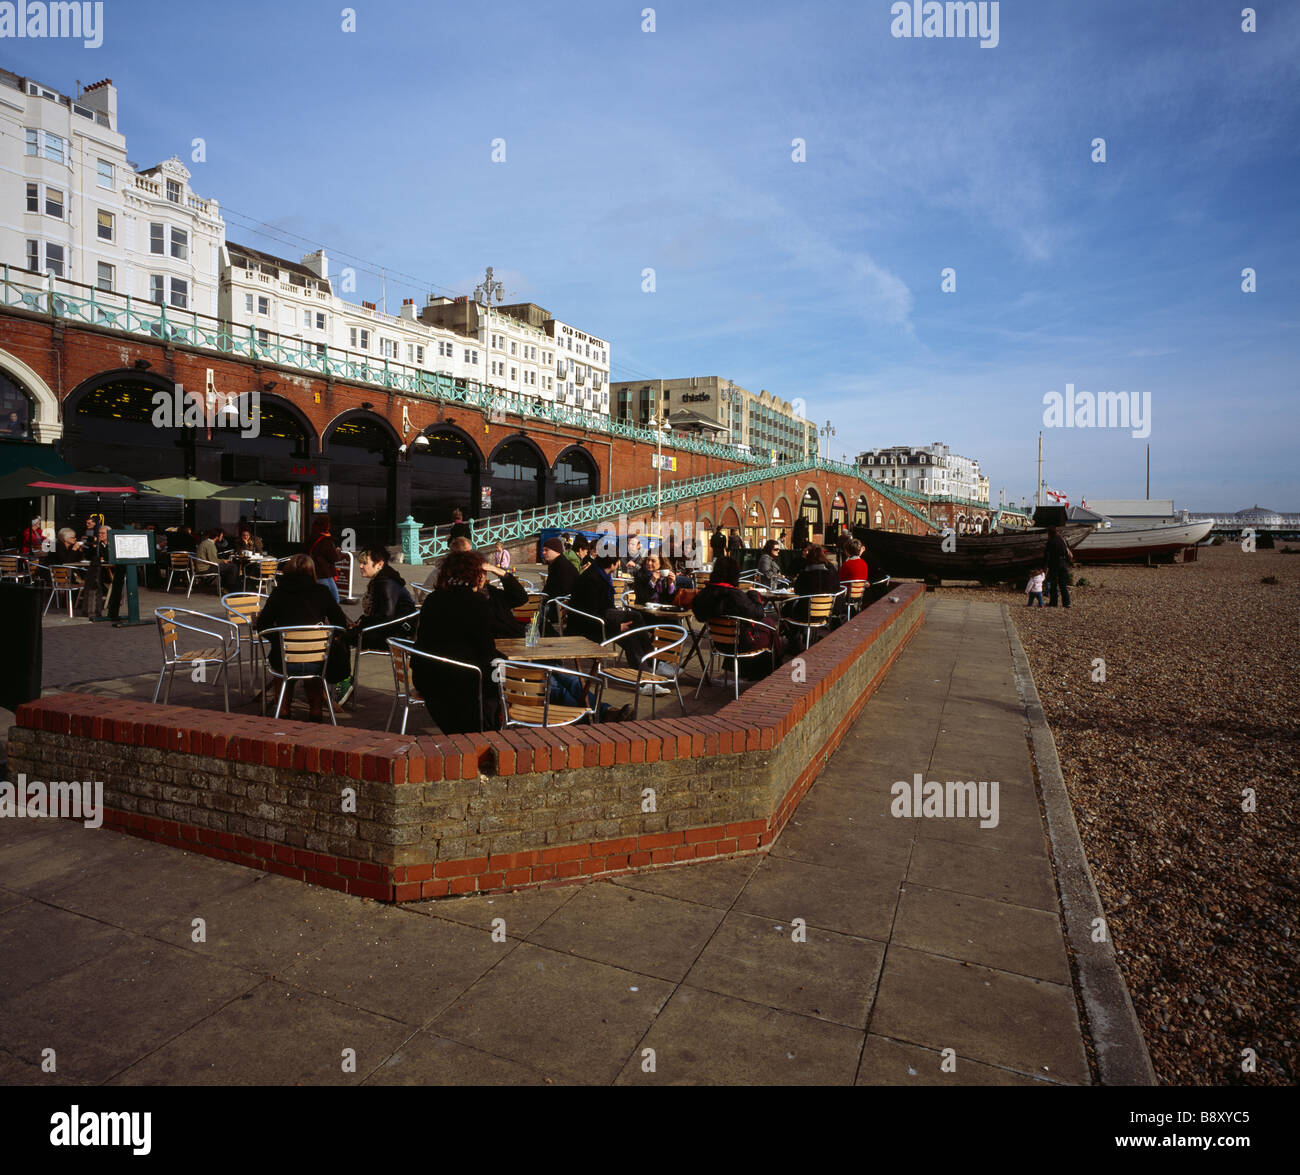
(397, 817)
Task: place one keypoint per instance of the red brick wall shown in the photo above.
(468, 813)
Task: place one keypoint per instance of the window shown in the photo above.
(360, 339)
(54, 259)
(174, 191)
(33, 197)
(471, 357)
(105, 177)
(263, 338)
(445, 348)
(514, 373)
(54, 203)
(388, 348)
(34, 255)
(32, 146)
(512, 346)
(157, 288)
(248, 303)
(306, 320)
(105, 277)
(180, 293)
(320, 321)
(180, 244)
(156, 242)
(38, 142)
(263, 306)
(105, 225)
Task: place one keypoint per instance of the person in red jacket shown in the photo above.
(855, 566)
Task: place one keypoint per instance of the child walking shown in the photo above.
(1034, 588)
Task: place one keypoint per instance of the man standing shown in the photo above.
(1058, 557)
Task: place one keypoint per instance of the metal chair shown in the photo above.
(304, 655)
(666, 645)
(564, 610)
(820, 607)
(241, 610)
(262, 572)
(855, 592)
(525, 690)
(62, 579)
(179, 563)
(385, 630)
(198, 570)
(418, 592)
(405, 693)
(526, 611)
(551, 614)
(169, 630)
(15, 569)
(724, 643)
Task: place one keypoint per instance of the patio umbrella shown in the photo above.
(252, 491)
(189, 488)
(33, 483)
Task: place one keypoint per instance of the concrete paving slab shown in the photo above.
(429, 1059)
(988, 1015)
(16, 829)
(39, 865)
(882, 850)
(136, 901)
(891, 1062)
(398, 965)
(523, 911)
(557, 1014)
(845, 902)
(703, 1038)
(1019, 828)
(9, 899)
(983, 872)
(38, 942)
(828, 976)
(273, 1035)
(18, 1071)
(116, 1009)
(995, 934)
(717, 883)
(643, 932)
(268, 926)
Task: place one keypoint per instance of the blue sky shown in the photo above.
(818, 279)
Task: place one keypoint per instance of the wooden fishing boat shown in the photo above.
(989, 558)
(1164, 540)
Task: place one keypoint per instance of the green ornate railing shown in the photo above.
(423, 545)
(77, 303)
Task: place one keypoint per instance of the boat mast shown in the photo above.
(1038, 489)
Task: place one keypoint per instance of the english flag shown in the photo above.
(1059, 499)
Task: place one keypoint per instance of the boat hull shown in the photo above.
(1148, 542)
(990, 558)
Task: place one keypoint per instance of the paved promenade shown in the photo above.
(858, 951)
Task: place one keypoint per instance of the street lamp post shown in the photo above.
(484, 292)
(661, 422)
(828, 431)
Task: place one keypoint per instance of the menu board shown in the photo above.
(131, 547)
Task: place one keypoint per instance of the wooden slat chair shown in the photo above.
(179, 563)
(400, 626)
(855, 593)
(63, 580)
(407, 695)
(14, 569)
(241, 610)
(202, 569)
(172, 622)
(552, 621)
(724, 643)
(702, 580)
(667, 641)
(526, 611)
(820, 607)
(525, 690)
(262, 573)
(304, 654)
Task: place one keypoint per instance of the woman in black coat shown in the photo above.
(456, 622)
(723, 597)
(818, 577)
(387, 598)
(299, 601)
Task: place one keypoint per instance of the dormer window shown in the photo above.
(174, 191)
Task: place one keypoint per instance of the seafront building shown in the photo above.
(763, 424)
(931, 470)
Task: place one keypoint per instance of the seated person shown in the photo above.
(594, 594)
(635, 556)
(208, 550)
(769, 570)
(67, 548)
(654, 584)
(458, 545)
(723, 598)
(503, 598)
(248, 541)
(456, 622)
(854, 566)
(561, 575)
(182, 540)
(386, 598)
(819, 576)
(299, 600)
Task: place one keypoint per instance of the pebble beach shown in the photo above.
(1198, 717)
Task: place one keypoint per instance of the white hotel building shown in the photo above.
(81, 211)
(932, 469)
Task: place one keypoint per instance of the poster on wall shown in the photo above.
(320, 499)
(485, 503)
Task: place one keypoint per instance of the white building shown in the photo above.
(80, 210)
(933, 469)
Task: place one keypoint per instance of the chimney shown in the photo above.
(408, 310)
(101, 97)
(368, 306)
(318, 263)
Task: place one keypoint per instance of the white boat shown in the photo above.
(1115, 543)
